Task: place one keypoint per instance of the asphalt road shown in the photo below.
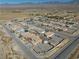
(26, 51)
(64, 54)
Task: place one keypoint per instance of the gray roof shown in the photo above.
(55, 40)
(42, 48)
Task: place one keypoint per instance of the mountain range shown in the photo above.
(50, 2)
(54, 2)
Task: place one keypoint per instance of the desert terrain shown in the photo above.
(8, 12)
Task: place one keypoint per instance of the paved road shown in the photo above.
(65, 35)
(69, 49)
(27, 52)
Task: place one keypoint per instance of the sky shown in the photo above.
(33, 1)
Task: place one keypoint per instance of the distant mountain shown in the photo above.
(58, 2)
(75, 2)
(49, 2)
(54, 2)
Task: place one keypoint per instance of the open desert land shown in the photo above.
(9, 12)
